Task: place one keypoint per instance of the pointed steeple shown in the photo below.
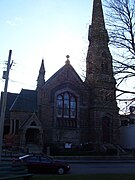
(42, 68)
(99, 59)
(41, 76)
(98, 17)
(97, 30)
(100, 81)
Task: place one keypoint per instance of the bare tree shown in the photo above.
(120, 23)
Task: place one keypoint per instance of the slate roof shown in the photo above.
(25, 101)
(10, 99)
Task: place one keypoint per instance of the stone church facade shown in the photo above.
(65, 109)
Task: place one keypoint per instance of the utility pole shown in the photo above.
(4, 100)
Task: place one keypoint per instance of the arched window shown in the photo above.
(66, 105)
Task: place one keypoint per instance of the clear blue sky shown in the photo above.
(36, 29)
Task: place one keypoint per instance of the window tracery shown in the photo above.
(66, 109)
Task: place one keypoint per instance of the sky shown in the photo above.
(42, 29)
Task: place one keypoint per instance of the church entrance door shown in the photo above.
(32, 136)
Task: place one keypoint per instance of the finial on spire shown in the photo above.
(67, 61)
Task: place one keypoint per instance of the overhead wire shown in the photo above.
(21, 69)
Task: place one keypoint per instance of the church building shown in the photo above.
(66, 109)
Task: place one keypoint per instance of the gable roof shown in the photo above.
(67, 67)
(31, 121)
(25, 101)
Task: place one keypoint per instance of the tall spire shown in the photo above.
(98, 17)
(41, 76)
(97, 27)
(42, 68)
(103, 108)
(99, 60)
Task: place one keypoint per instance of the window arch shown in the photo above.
(66, 105)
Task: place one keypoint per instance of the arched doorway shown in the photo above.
(32, 136)
(106, 129)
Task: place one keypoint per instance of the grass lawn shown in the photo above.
(86, 177)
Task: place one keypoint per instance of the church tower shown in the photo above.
(103, 110)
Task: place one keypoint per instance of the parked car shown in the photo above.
(42, 164)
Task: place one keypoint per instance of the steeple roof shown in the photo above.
(97, 30)
(97, 16)
(99, 60)
(42, 67)
(41, 76)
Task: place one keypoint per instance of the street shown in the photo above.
(103, 168)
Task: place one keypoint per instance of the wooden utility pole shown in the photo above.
(4, 100)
